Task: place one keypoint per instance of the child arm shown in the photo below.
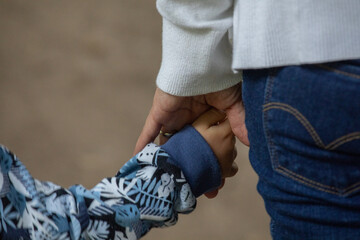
(148, 191)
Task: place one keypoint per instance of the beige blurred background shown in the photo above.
(76, 83)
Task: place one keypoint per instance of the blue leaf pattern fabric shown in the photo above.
(147, 192)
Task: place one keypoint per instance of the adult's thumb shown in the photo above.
(236, 116)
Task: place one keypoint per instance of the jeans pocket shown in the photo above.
(349, 69)
(312, 125)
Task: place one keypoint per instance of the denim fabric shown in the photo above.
(304, 130)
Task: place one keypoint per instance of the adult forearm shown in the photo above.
(197, 53)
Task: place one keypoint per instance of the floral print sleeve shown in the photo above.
(148, 191)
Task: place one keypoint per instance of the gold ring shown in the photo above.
(166, 134)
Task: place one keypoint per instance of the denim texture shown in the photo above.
(304, 130)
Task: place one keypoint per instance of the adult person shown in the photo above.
(301, 91)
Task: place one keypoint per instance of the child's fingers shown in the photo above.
(234, 169)
(212, 194)
(224, 127)
(215, 192)
(222, 183)
(208, 119)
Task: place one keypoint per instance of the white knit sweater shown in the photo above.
(198, 57)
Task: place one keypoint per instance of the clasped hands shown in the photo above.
(217, 116)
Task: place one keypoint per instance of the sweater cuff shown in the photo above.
(190, 152)
(195, 62)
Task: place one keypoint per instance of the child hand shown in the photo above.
(216, 130)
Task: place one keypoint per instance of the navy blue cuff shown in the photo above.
(190, 152)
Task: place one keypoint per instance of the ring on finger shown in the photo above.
(166, 134)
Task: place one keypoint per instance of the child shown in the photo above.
(148, 191)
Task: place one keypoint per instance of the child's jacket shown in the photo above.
(148, 191)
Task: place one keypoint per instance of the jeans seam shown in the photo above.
(302, 119)
(274, 155)
(322, 187)
(344, 139)
(339, 71)
(268, 94)
(331, 146)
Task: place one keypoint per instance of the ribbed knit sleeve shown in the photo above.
(197, 53)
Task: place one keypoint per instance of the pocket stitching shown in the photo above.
(344, 139)
(299, 116)
(311, 130)
(354, 75)
(317, 185)
(331, 146)
(268, 94)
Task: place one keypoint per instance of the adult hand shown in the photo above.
(229, 101)
(171, 113)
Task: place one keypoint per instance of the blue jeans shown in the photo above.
(304, 130)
